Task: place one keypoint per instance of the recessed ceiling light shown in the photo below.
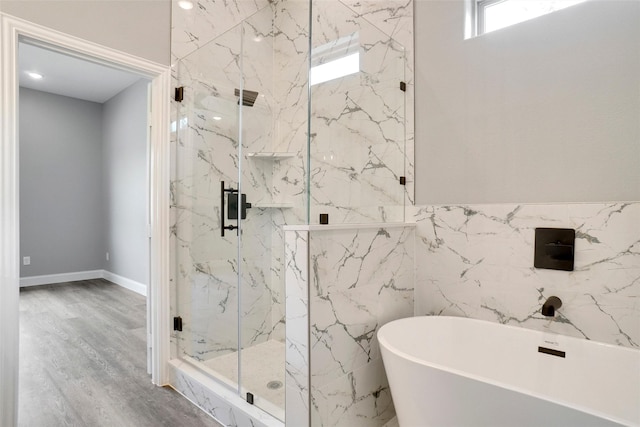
(185, 4)
(34, 75)
(257, 39)
(217, 118)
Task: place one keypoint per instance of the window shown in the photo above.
(335, 59)
(492, 15)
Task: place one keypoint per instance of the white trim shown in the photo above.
(158, 297)
(50, 279)
(9, 227)
(132, 285)
(11, 29)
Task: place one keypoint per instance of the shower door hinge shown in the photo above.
(177, 323)
(403, 180)
(403, 86)
(179, 94)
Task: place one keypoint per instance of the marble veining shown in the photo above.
(360, 279)
(477, 261)
(262, 45)
(218, 401)
(297, 328)
(367, 109)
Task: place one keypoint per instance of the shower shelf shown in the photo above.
(273, 205)
(271, 155)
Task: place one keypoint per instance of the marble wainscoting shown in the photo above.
(477, 261)
(343, 283)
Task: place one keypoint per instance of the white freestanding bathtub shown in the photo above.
(455, 371)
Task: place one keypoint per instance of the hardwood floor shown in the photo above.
(83, 361)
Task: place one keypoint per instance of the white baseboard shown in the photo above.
(50, 279)
(132, 285)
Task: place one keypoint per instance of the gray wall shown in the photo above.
(141, 28)
(543, 111)
(125, 182)
(83, 184)
(61, 214)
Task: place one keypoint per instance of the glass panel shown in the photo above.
(261, 287)
(357, 119)
(243, 121)
(207, 153)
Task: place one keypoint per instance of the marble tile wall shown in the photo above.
(395, 18)
(208, 19)
(222, 403)
(477, 261)
(358, 122)
(207, 54)
(358, 280)
(297, 375)
(207, 152)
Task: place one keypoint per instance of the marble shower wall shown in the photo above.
(207, 153)
(212, 42)
(274, 58)
(477, 261)
(297, 326)
(370, 144)
(348, 284)
(357, 121)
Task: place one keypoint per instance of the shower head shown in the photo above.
(248, 97)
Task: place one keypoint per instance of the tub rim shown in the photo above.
(384, 342)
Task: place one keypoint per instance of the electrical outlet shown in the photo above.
(26, 260)
(107, 256)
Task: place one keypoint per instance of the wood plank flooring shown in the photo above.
(83, 361)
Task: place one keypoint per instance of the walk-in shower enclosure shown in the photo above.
(292, 113)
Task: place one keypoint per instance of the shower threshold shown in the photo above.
(262, 371)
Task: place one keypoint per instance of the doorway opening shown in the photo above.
(15, 31)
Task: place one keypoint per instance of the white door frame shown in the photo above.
(11, 30)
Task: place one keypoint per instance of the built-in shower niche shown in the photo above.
(265, 165)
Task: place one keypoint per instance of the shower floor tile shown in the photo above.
(261, 365)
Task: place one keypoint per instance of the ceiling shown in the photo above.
(69, 75)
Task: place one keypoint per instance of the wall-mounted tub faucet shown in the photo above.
(550, 306)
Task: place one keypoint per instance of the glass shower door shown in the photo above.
(229, 293)
(206, 173)
(262, 363)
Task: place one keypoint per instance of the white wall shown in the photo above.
(125, 185)
(544, 111)
(141, 28)
(61, 212)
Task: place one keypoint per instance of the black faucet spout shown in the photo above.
(550, 306)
